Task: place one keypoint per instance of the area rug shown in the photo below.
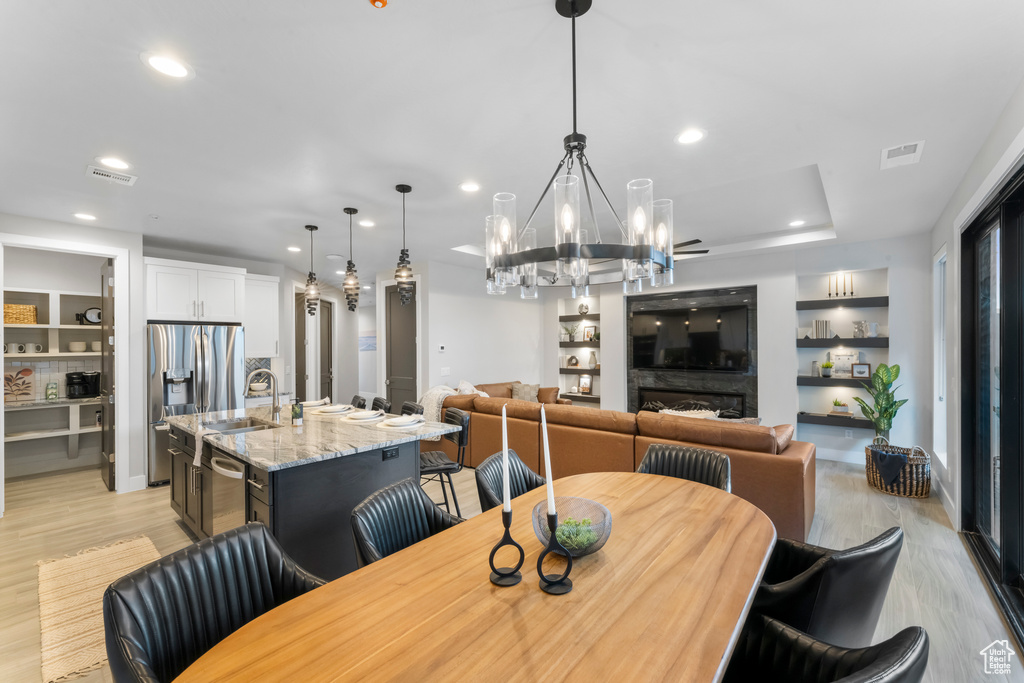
(71, 605)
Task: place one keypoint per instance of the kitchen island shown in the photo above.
(301, 481)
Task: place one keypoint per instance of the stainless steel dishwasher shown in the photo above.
(227, 491)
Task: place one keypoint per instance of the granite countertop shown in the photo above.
(320, 437)
(43, 403)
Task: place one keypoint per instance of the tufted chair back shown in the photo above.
(769, 650)
(162, 617)
(685, 462)
(394, 518)
(489, 476)
(833, 595)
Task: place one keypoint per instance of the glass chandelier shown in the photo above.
(312, 286)
(351, 287)
(403, 273)
(647, 251)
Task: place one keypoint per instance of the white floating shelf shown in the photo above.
(53, 356)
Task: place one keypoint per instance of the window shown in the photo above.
(939, 355)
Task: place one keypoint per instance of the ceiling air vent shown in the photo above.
(902, 155)
(111, 176)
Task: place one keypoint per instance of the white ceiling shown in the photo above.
(300, 109)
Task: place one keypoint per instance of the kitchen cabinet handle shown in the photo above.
(227, 468)
(276, 352)
(162, 428)
(174, 451)
(202, 309)
(193, 308)
(255, 483)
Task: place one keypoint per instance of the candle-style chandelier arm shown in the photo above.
(585, 163)
(543, 194)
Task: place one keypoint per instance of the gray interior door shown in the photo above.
(400, 355)
(326, 349)
(107, 373)
(300, 347)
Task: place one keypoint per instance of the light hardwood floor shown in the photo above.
(936, 584)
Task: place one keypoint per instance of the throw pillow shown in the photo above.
(466, 388)
(525, 392)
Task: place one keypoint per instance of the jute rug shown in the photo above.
(71, 605)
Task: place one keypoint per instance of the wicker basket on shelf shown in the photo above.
(19, 314)
(915, 480)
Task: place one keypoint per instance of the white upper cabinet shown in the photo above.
(262, 317)
(182, 291)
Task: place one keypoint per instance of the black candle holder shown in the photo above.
(506, 576)
(554, 584)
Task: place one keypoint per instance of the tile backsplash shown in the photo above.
(44, 372)
(256, 364)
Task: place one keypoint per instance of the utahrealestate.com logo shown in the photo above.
(997, 657)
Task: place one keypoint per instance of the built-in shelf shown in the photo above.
(854, 342)
(53, 356)
(48, 433)
(844, 302)
(580, 345)
(582, 398)
(812, 381)
(577, 318)
(834, 420)
(27, 326)
(579, 371)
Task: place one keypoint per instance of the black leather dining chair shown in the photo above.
(769, 651)
(685, 462)
(162, 617)
(489, 479)
(358, 402)
(394, 518)
(381, 403)
(412, 408)
(833, 595)
(436, 465)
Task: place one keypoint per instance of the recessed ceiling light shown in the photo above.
(168, 66)
(335, 257)
(367, 223)
(114, 162)
(469, 186)
(85, 216)
(797, 224)
(294, 248)
(339, 272)
(691, 135)
(367, 287)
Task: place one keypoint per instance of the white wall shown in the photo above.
(37, 269)
(997, 159)
(367, 321)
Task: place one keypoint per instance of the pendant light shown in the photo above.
(646, 249)
(351, 287)
(403, 273)
(312, 287)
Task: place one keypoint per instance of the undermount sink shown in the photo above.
(242, 426)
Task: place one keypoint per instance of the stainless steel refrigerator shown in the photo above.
(192, 369)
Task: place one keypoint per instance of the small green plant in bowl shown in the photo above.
(584, 525)
(826, 369)
(839, 407)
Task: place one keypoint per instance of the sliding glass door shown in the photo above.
(992, 414)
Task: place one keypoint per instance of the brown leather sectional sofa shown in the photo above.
(769, 469)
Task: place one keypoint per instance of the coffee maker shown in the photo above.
(83, 384)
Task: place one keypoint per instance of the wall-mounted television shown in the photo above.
(711, 338)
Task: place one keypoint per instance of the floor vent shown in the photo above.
(111, 176)
(902, 155)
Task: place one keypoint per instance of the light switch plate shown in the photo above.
(445, 372)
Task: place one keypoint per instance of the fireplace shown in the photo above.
(655, 399)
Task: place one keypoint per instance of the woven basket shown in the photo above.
(915, 480)
(19, 314)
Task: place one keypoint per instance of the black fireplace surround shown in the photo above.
(733, 394)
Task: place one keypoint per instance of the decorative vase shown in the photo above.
(572, 337)
(583, 309)
(584, 525)
(593, 360)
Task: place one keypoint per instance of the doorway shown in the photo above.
(400, 354)
(326, 316)
(301, 342)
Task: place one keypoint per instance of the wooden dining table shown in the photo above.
(664, 599)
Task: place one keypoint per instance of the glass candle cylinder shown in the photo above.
(528, 272)
(507, 235)
(491, 249)
(640, 228)
(566, 193)
(579, 277)
(663, 236)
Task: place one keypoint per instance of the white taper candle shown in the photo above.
(505, 487)
(547, 462)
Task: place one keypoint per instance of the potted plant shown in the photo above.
(826, 369)
(571, 330)
(840, 407)
(886, 405)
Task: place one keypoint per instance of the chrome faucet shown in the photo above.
(273, 387)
